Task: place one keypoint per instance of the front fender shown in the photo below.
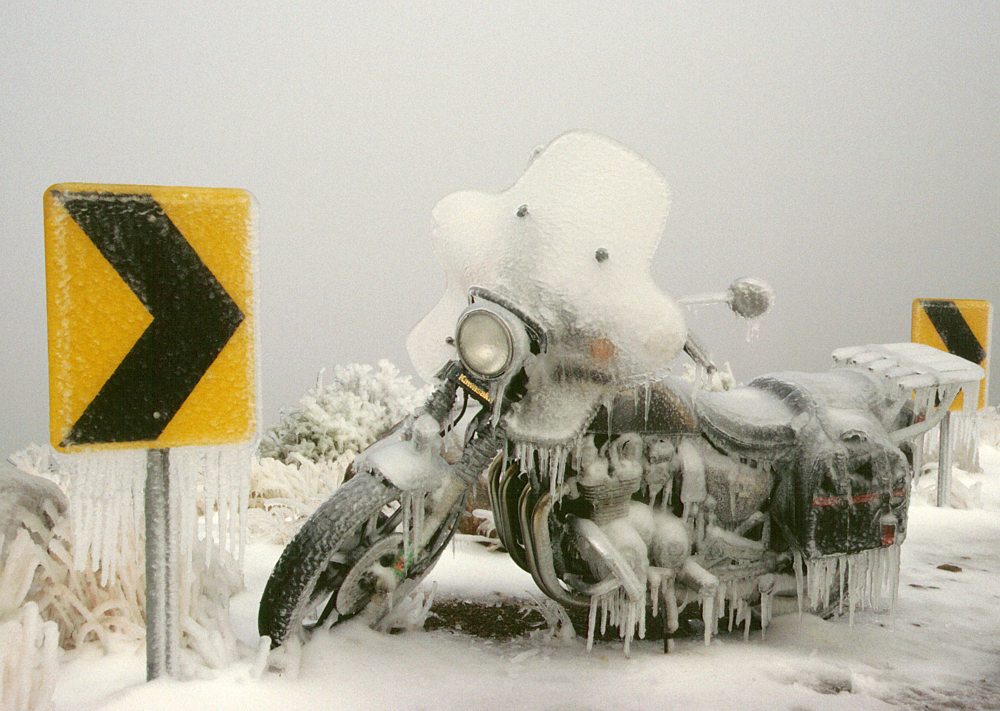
(408, 457)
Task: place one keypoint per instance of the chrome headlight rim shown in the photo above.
(463, 346)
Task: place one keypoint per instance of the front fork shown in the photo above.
(480, 449)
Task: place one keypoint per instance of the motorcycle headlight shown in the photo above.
(485, 342)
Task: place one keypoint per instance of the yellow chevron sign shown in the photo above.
(958, 326)
(150, 310)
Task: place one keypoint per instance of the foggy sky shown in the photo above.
(847, 153)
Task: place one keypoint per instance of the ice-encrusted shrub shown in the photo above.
(304, 457)
(343, 416)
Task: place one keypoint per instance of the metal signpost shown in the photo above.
(961, 327)
(151, 345)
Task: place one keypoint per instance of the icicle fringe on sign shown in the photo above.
(105, 492)
(90, 577)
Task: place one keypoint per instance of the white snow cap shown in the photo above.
(571, 243)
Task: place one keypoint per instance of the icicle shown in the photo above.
(875, 579)
(765, 585)
(851, 591)
(557, 472)
(592, 621)
(407, 505)
(211, 492)
(965, 429)
(417, 524)
(893, 573)
(732, 609)
(797, 565)
(617, 609)
(525, 453)
(668, 493)
(244, 463)
(645, 413)
(673, 614)
(183, 477)
(868, 583)
(708, 617)
(412, 505)
(654, 579)
(555, 480)
(970, 400)
(843, 578)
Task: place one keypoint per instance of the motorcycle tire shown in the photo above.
(313, 567)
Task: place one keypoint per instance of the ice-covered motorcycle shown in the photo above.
(625, 489)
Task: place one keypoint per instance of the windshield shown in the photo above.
(571, 243)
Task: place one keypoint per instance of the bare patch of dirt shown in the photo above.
(510, 618)
(502, 620)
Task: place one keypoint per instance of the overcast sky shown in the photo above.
(847, 153)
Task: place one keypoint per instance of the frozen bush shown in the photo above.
(344, 416)
(282, 495)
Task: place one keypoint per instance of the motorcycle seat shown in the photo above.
(757, 419)
(749, 420)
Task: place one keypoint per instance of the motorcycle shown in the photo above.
(625, 489)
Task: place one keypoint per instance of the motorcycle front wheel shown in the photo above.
(345, 555)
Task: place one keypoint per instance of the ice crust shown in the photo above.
(555, 413)
(413, 464)
(571, 243)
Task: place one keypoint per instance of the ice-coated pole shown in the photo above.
(944, 462)
(162, 639)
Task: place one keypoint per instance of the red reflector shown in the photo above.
(888, 534)
(867, 498)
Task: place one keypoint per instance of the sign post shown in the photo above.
(961, 327)
(151, 346)
(162, 638)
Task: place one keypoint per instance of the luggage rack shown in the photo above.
(935, 378)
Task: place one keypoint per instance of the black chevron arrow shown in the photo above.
(955, 332)
(193, 317)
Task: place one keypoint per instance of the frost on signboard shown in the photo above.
(570, 243)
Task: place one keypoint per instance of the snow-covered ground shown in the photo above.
(941, 648)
